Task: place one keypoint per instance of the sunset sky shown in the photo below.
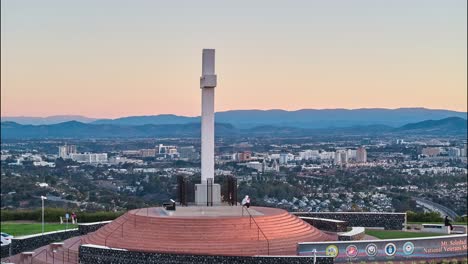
(121, 58)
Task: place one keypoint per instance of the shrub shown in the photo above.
(423, 217)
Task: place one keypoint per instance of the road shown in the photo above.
(436, 207)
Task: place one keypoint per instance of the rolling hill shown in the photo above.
(74, 129)
(244, 119)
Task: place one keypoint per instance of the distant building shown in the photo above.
(464, 151)
(361, 155)
(134, 153)
(254, 165)
(225, 157)
(188, 153)
(95, 158)
(166, 149)
(430, 152)
(341, 157)
(283, 159)
(274, 166)
(309, 154)
(352, 154)
(244, 156)
(453, 152)
(326, 155)
(303, 155)
(122, 160)
(146, 153)
(66, 150)
(400, 141)
(172, 151)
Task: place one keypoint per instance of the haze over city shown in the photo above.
(109, 59)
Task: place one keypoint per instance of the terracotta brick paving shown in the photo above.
(153, 230)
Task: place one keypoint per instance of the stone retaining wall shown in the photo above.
(389, 221)
(27, 243)
(86, 228)
(90, 254)
(5, 252)
(326, 224)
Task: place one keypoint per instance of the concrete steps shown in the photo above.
(208, 235)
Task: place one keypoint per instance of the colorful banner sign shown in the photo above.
(389, 250)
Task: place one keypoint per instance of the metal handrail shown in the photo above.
(135, 216)
(68, 249)
(121, 225)
(32, 259)
(259, 230)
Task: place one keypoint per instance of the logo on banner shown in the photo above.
(331, 251)
(408, 248)
(371, 250)
(351, 251)
(390, 249)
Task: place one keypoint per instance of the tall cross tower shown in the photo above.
(207, 192)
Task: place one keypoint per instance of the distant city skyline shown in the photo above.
(110, 59)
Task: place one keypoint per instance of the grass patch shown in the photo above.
(392, 234)
(23, 229)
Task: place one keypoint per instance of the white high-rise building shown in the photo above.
(309, 154)
(94, 158)
(283, 159)
(341, 157)
(326, 155)
(66, 150)
(351, 153)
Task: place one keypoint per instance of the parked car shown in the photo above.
(6, 238)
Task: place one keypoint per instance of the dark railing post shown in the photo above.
(268, 246)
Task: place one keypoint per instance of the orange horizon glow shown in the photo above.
(144, 58)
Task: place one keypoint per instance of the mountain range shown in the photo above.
(244, 119)
(73, 129)
(29, 120)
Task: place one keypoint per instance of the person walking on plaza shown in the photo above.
(447, 222)
(74, 220)
(246, 201)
